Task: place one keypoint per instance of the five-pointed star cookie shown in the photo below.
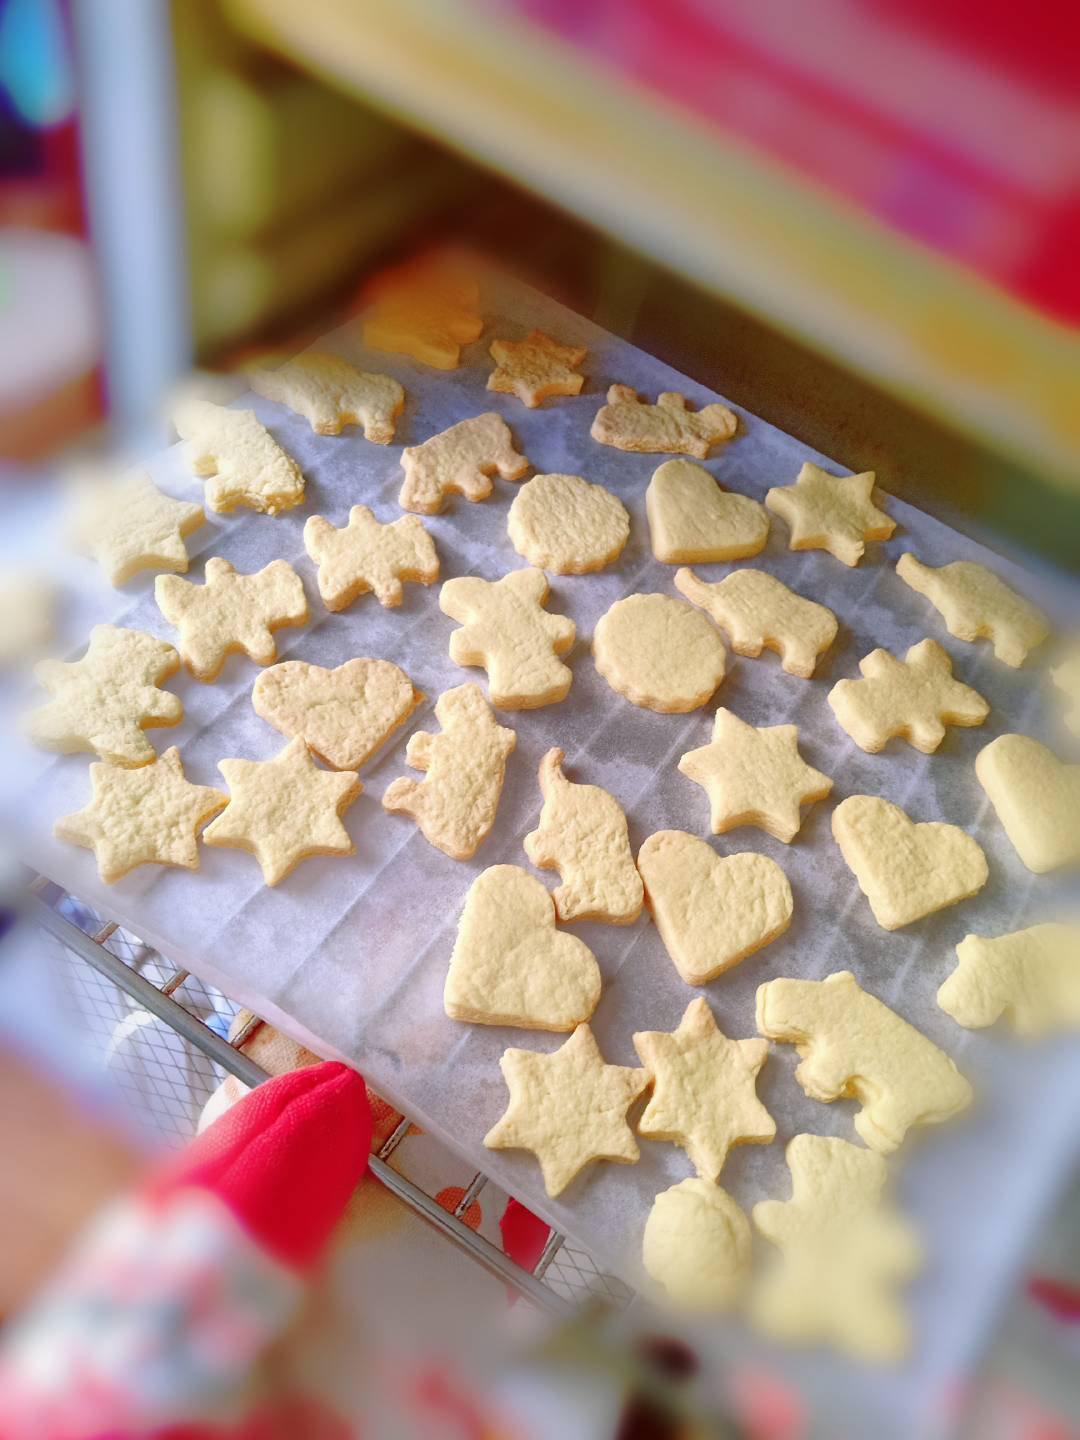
(285, 809)
(831, 512)
(128, 525)
(104, 701)
(755, 777)
(231, 612)
(536, 367)
(364, 555)
(915, 697)
(138, 817)
(703, 1089)
(569, 1108)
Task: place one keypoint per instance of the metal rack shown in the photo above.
(561, 1274)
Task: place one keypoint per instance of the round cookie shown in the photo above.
(564, 524)
(659, 652)
(697, 1245)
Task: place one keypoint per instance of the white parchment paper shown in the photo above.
(350, 954)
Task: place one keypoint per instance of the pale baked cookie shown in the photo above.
(148, 816)
(364, 555)
(1037, 799)
(975, 604)
(759, 613)
(583, 835)
(343, 715)
(284, 810)
(461, 459)
(506, 630)
(697, 1245)
(426, 311)
(128, 525)
(844, 1252)
(231, 612)
(240, 460)
(628, 423)
(831, 512)
(659, 653)
(915, 698)
(754, 777)
(104, 702)
(693, 519)
(1032, 976)
(906, 870)
(330, 394)
(704, 1096)
(510, 966)
(536, 367)
(27, 612)
(563, 524)
(854, 1047)
(568, 1108)
(711, 910)
(455, 806)
(1066, 677)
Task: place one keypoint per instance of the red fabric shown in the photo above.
(523, 1235)
(284, 1160)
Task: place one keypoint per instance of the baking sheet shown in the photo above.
(350, 954)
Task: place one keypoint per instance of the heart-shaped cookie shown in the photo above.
(1037, 799)
(906, 870)
(693, 520)
(711, 910)
(511, 966)
(344, 715)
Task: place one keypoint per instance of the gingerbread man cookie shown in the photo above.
(461, 459)
(693, 520)
(455, 806)
(535, 368)
(128, 525)
(976, 604)
(583, 835)
(760, 612)
(1037, 799)
(365, 555)
(231, 612)
(831, 512)
(1032, 976)
(507, 631)
(241, 461)
(915, 698)
(330, 394)
(628, 423)
(854, 1047)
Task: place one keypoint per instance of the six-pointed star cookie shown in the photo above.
(536, 367)
(285, 809)
(703, 1089)
(138, 817)
(831, 512)
(104, 701)
(128, 525)
(569, 1108)
(754, 777)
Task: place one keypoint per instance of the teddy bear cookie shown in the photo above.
(843, 1253)
(831, 512)
(906, 870)
(976, 604)
(568, 1108)
(1032, 976)
(364, 555)
(511, 966)
(914, 698)
(659, 653)
(460, 460)
(1037, 799)
(582, 834)
(240, 460)
(342, 715)
(128, 525)
(330, 394)
(564, 524)
(536, 368)
(852, 1046)
(754, 777)
(455, 805)
(711, 910)
(231, 612)
(693, 519)
(759, 612)
(628, 423)
(696, 1246)
(505, 629)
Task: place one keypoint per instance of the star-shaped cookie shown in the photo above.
(754, 777)
(536, 367)
(364, 555)
(231, 612)
(285, 809)
(128, 525)
(703, 1089)
(568, 1107)
(831, 512)
(915, 698)
(103, 702)
(149, 816)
